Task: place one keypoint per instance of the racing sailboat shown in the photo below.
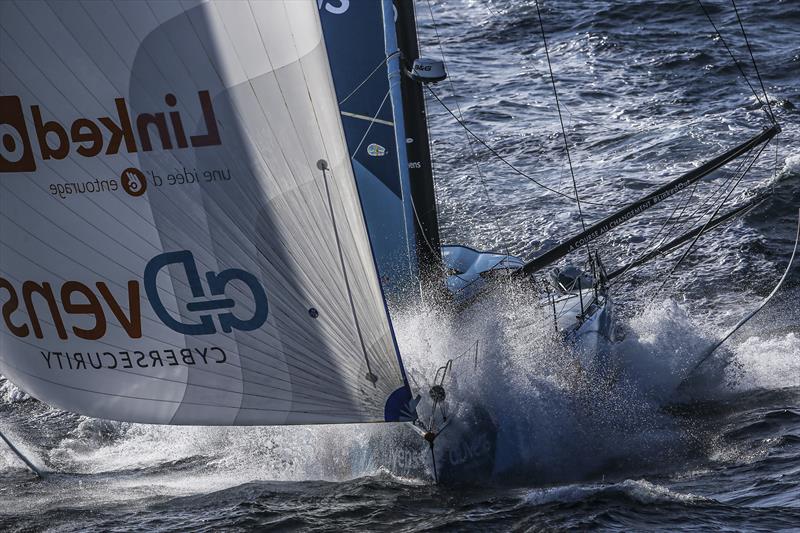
(380, 81)
(199, 224)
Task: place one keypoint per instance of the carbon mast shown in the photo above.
(420, 168)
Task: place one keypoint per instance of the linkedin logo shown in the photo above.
(16, 154)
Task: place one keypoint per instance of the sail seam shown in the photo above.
(346, 278)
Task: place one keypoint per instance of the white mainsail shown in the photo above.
(171, 249)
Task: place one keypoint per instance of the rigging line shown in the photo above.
(507, 162)
(716, 211)
(675, 221)
(655, 246)
(678, 242)
(489, 8)
(561, 121)
(753, 313)
(752, 57)
(371, 123)
(323, 166)
(440, 264)
(481, 177)
(708, 222)
(678, 224)
(735, 61)
(369, 76)
(21, 456)
(718, 192)
(681, 221)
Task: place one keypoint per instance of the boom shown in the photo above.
(657, 196)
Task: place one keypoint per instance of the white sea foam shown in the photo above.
(554, 424)
(640, 490)
(791, 166)
(767, 363)
(10, 393)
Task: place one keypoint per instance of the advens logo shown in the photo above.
(86, 137)
(98, 302)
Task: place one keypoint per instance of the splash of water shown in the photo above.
(555, 423)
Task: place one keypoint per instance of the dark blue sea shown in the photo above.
(647, 91)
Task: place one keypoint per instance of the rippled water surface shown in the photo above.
(647, 91)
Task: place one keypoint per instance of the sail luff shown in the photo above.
(355, 41)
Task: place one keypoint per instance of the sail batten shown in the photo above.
(168, 250)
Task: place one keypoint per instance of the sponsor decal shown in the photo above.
(128, 359)
(336, 7)
(136, 182)
(68, 306)
(16, 154)
(376, 150)
(647, 204)
(470, 448)
(203, 304)
(92, 137)
(133, 181)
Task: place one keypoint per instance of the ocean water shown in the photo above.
(647, 92)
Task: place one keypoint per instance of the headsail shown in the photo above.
(181, 239)
(354, 38)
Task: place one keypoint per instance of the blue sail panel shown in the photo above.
(354, 38)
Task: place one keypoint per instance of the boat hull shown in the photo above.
(467, 450)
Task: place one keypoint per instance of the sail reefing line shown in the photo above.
(323, 166)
